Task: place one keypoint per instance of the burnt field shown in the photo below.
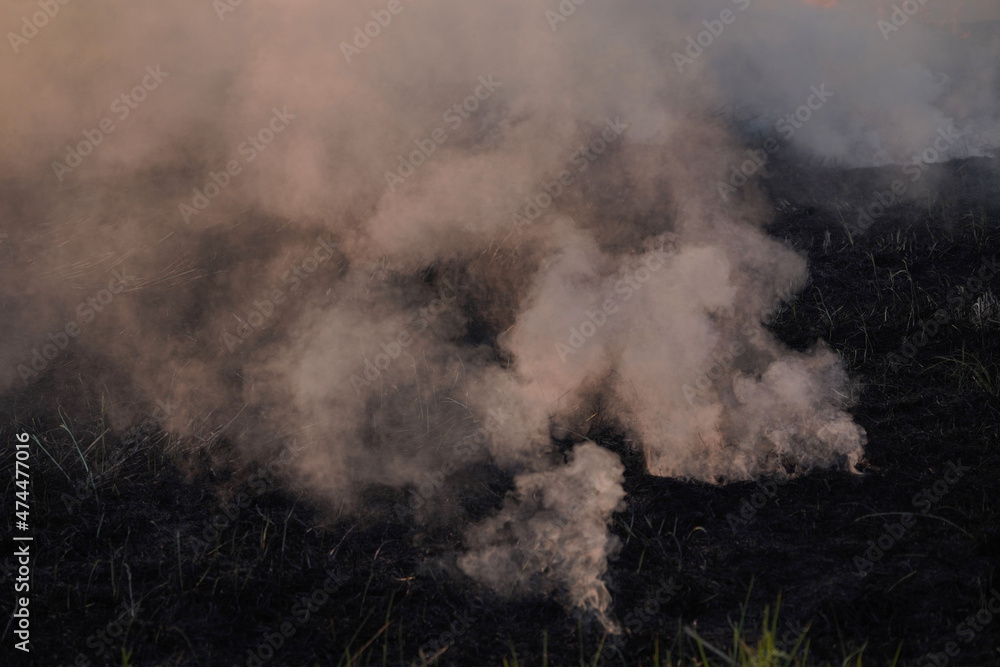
(152, 549)
(372, 332)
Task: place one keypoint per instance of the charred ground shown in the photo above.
(128, 569)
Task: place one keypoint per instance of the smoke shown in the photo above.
(551, 531)
(895, 74)
(406, 239)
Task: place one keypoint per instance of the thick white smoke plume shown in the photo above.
(404, 239)
(551, 531)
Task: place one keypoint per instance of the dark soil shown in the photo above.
(127, 569)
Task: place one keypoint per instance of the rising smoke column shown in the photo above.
(280, 210)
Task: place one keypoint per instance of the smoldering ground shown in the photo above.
(199, 277)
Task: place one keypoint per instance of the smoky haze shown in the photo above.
(405, 254)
